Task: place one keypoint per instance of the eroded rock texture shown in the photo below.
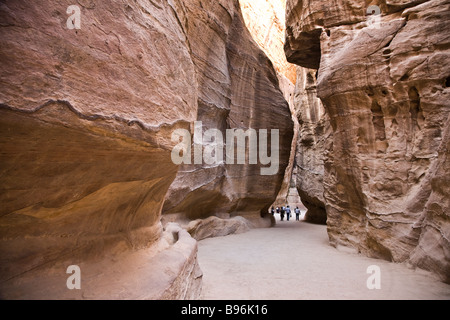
(238, 89)
(314, 138)
(265, 19)
(384, 83)
(212, 227)
(86, 118)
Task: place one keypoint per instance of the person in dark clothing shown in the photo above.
(297, 213)
(282, 213)
(288, 213)
(272, 211)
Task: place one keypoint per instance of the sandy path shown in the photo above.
(294, 261)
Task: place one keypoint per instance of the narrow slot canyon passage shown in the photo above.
(294, 260)
(144, 144)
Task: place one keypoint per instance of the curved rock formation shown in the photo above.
(216, 227)
(314, 138)
(383, 81)
(167, 270)
(238, 89)
(86, 119)
(87, 116)
(265, 19)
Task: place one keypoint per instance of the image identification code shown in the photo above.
(245, 309)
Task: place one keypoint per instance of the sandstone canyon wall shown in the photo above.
(238, 89)
(265, 19)
(384, 83)
(314, 137)
(86, 122)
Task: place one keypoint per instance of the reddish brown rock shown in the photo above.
(383, 81)
(265, 19)
(87, 117)
(314, 138)
(216, 227)
(239, 89)
(86, 122)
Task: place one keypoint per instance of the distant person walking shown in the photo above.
(297, 213)
(282, 213)
(272, 211)
(288, 213)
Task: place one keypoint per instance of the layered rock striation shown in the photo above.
(314, 138)
(383, 80)
(87, 117)
(265, 19)
(238, 90)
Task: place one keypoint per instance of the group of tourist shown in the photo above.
(286, 211)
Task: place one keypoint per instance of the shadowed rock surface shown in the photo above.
(314, 138)
(86, 122)
(238, 89)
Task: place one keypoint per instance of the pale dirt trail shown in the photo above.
(294, 261)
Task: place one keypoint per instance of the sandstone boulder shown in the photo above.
(216, 227)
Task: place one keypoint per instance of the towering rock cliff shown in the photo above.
(314, 139)
(238, 89)
(87, 117)
(383, 79)
(265, 19)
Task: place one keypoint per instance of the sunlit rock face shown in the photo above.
(265, 19)
(383, 80)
